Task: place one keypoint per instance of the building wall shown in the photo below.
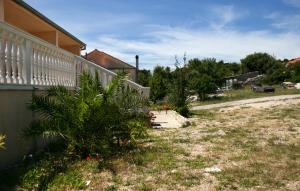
(14, 117)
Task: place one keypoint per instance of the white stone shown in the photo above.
(212, 169)
(221, 133)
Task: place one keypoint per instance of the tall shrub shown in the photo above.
(92, 119)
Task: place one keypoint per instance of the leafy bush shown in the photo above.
(277, 74)
(92, 119)
(296, 73)
(159, 83)
(205, 76)
(261, 62)
(184, 111)
(178, 91)
(2, 140)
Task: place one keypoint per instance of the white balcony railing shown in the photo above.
(29, 61)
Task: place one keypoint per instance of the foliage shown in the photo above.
(205, 76)
(90, 120)
(144, 78)
(295, 76)
(178, 90)
(52, 169)
(2, 141)
(160, 80)
(233, 68)
(277, 74)
(261, 62)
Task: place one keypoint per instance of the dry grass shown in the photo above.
(256, 149)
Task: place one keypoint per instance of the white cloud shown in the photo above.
(228, 45)
(223, 15)
(287, 22)
(294, 3)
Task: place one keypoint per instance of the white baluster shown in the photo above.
(39, 66)
(35, 65)
(28, 62)
(71, 72)
(74, 73)
(50, 67)
(47, 68)
(9, 59)
(58, 69)
(20, 60)
(68, 68)
(62, 70)
(30, 66)
(2, 56)
(109, 78)
(51, 63)
(14, 60)
(53, 69)
(104, 81)
(43, 66)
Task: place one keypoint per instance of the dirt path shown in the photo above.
(254, 102)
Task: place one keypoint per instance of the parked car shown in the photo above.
(269, 89)
(288, 85)
(261, 89)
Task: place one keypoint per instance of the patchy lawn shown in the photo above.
(246, 93)
(255, 149)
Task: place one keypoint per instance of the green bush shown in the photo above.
(179, 92)
(92, 119)
(184, 111)
(296, 73)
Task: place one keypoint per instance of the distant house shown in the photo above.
(111, 63)
(294, 61)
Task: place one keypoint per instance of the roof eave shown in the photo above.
(47, 20)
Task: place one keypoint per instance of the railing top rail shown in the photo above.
(32, 38)
(95, 65)
(108, 71)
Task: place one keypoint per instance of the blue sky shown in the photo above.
(157, 30)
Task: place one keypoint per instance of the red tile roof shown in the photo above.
(107, 61)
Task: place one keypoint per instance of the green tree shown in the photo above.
(260, 62)
(144, 77)
(205, 76)
(277, 74)
(159, 83)
(295, 76)
(178, 89)
(233, 68)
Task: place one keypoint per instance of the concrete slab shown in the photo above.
(169, 119)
